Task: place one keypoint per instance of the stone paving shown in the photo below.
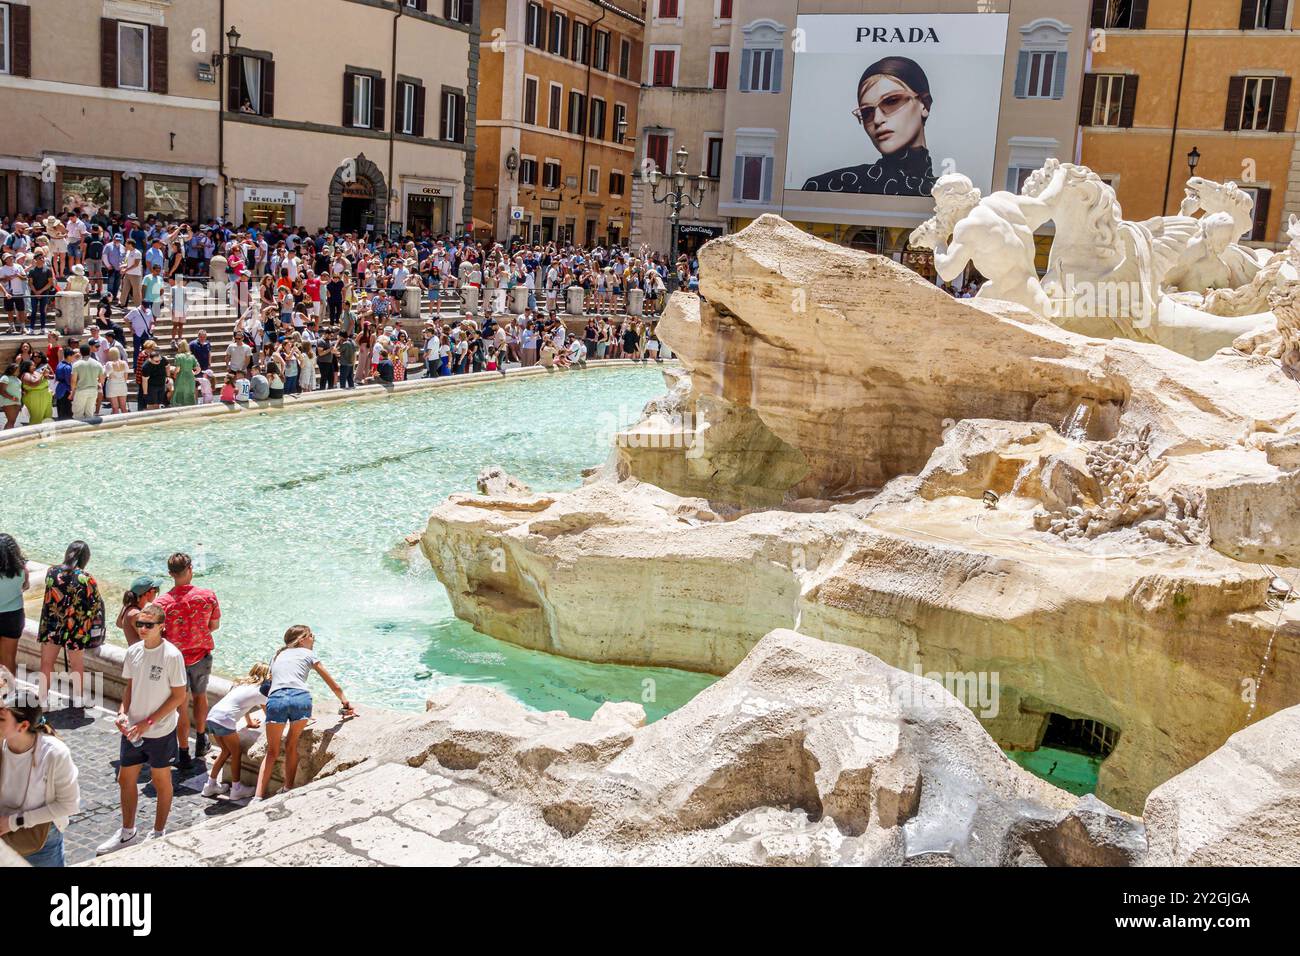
(93, 740)
(383, 814)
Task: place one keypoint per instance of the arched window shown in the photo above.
(1041, 68)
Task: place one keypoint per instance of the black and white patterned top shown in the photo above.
(907, 174)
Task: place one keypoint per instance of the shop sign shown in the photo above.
(693, 229)
(272, 197)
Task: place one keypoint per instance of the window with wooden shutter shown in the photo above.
(158, 60)
(419, 110)
(721, 65)
(656, 150)
(1128, 102)
(1281, 99)
(132, 56)
(453, 116)
(1263, 15)
(1260, 231)
(530, 100)
(1236, 95)
(665, 63)
(1087, 99)
(107, 52)
(349, 101)
(378, 103)
(1258, 98)
(18, 60)
(535, 26)
(1119, 14)
(268, 87)
(555, 102)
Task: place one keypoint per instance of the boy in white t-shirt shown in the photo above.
(155, 689)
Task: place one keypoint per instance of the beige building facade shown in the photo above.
(360, 120)
(101, 107)
(683, 104)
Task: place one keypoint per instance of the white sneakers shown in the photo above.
(123, 837)
(213, 789)
(241, 791)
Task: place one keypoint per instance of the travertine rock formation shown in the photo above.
(808, 753)
(842, 423)
(1122, 472)
(495, 481)
(1240, 806)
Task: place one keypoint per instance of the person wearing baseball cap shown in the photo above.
(143, 590)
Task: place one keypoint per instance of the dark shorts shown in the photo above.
(197, 674)
(219, 730)
(12, 623)
(156, 395)
(288, 706)
(157, 752)
(16, 303)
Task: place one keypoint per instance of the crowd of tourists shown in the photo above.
(312, 311)
(170, 646)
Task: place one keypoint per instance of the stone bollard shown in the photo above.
(217, 270)
(469, 299)
(411, 302)
(72, 312)
(573, 299)
(519, 299)
(636, 302)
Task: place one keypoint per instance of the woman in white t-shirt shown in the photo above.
(289, 702)
(246, 696)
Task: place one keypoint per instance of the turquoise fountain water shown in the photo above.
(296, 517)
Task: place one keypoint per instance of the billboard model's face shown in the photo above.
(893, 116)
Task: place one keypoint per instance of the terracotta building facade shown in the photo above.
(1175, 85)
(557, 116)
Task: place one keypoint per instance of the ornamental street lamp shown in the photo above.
(1193, 160)
(680, 190)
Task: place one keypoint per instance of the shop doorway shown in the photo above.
(548, 228)
(426, 214)
(352, 213)
(359, 205)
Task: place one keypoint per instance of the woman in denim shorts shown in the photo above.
(289, 702)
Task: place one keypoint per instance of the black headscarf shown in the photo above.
(901, 68)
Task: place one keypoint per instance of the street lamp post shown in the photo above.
(680, 190)
(219, 62)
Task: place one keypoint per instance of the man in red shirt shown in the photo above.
(192, 614)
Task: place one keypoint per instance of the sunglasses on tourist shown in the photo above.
(147, 625)
(888, 106)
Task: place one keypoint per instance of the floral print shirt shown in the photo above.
(73, 612)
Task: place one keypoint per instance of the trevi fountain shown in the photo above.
(919, 539)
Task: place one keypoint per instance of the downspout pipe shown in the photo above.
(586, 125)
(392, 124)
(221, 106)
(1178, 102)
